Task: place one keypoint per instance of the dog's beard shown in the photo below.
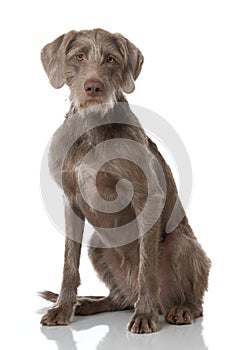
(99, 107)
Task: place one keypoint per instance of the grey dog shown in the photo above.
(154, 271)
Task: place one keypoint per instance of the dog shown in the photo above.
(146, 268)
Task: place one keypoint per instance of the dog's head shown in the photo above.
(95, 64)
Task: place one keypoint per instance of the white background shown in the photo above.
(188, 78)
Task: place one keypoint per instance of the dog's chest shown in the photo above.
(99, 171)
(97, 186)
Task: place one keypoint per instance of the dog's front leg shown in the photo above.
(145, 318)
(62, 311)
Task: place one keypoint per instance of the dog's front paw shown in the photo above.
(143, 324)
(57, 316)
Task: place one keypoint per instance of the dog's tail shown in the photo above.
(47, 295)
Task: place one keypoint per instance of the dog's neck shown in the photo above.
(118, 122)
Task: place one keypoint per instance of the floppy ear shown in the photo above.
(53, 59)
(133, 63)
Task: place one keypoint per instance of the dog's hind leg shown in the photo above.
(89, 306)
(184, 269)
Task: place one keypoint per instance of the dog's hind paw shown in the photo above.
(179, 315)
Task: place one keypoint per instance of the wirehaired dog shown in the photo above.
(145, 267)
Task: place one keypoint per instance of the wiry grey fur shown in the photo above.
(157, 272)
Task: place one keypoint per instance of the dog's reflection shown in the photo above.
(111, 333)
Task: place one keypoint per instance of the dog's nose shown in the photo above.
(93, 88)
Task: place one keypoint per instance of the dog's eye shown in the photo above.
(110, 59)
(80, 56)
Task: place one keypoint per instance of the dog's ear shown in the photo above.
(133, 63)
(53, 59)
